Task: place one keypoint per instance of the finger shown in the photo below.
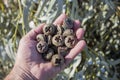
(76, 25)
(75, 51)
(34, 32)
(60, 19)
(80, 33)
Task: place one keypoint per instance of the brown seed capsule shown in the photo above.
(63, 51)
(58, 40)
(57, 60)
(42, 47)
(70, 41)
(49, 39)
(41, 37)
(68, 32)
(59, 30)
(49, 29)
(68, 23)
(48, 55)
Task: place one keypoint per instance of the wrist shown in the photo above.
(18, 73)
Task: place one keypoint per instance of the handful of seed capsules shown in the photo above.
(56, 41)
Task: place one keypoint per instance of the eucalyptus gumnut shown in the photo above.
(48, 55)
(57, 40)
(63, 51)
(49, 29)
(49, 39)
(60, 30)
(68, 23)
(57, 60)
(70, 41)
(68, 32)
(41, 37)
(42, 47)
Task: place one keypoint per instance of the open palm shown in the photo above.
(29, 60)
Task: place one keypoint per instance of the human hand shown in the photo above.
(29, 63)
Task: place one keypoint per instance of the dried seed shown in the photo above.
(68, 23)
(41, 37)
(59, 30)
(58, 40)
(57, 60)
(42, 47)
(63, 51)
(49, 29)
(48, 55)
(68, 32)
(70, 41)
(49, 39)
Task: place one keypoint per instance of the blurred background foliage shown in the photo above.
(100, 60)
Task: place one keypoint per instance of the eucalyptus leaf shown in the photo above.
(52, 4)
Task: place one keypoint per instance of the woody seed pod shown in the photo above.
(41, 37)
(68, 23)
(48, 55)
(70, 41)
(42, 47)
(49, 29)
(63, 51)
(58, 40)
(59, 30)
(49, 39)
(57, 60)
(68, 32)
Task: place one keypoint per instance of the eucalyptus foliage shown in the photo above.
(100, 60)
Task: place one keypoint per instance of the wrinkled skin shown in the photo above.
(30, 63)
